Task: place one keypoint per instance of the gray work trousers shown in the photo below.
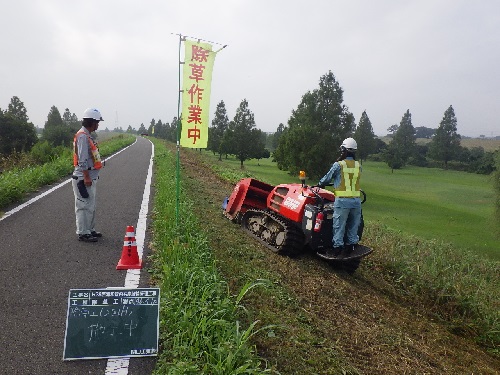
(85, 208)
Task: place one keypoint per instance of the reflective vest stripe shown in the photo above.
(349, 180)
(96, 157)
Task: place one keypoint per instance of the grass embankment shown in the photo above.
(15, 183)
(200, 333)
(432, 235)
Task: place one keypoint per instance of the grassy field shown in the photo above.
(423, 231)
(449, 206)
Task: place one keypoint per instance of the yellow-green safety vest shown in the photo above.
(350, 174)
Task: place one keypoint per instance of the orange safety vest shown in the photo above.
(350, 173)
(96, 157)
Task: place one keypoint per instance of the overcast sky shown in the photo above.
(121, 56)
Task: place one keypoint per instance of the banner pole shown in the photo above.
(177, 173)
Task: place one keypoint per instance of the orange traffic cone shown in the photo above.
(130, 258)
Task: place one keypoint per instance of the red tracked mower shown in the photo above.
(289, 218)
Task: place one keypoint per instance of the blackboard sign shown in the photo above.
(110, 323)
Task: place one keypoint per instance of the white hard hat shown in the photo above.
(93, 114)
(349, 144)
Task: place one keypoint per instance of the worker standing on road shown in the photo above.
(345, 173)
(87, 163)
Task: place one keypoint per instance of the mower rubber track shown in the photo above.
(273, 231)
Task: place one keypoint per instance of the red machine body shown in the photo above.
(289, 218)
(287, 200)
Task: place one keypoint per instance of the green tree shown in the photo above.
(160, 129)
(260, 151)
(277, 135)
(365, 137)
(445, 146)
(71, 121)
(392, 129)
(244, 139)
(172, 130)
(315, 130)
(56, 132)
(392, 156)
(17, 109)
(54, 118)
(216, 131)
(142, 129)
(403, 144)
(423, 132)
(15, 134)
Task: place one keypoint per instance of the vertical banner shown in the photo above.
(197, 78)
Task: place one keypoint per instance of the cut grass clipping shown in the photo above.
(199, 330)
(459, 285)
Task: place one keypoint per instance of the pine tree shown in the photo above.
(445, 146)
(242, 136)
(315, 130)
(365, 137)
(17, 109)
(277, 135)
(16, 133)
(56, 132)
(54, 118)
(403, 143)
(219, 126)
(71, 120)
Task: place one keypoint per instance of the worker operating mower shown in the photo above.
(290, 218)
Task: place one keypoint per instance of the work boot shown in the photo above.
(87, 238)
(348, 250)
(333, 253)
(96, 234)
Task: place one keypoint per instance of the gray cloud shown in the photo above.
(388, 56)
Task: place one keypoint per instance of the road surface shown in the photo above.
(41, 259)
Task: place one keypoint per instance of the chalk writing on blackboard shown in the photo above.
(106, 323)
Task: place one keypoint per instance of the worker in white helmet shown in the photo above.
(345, 173)
(87, 163)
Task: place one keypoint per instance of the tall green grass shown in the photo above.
(200, 333)
(15, 183)
(460, 287)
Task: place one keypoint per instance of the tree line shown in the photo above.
(239, 137)
(309, 141)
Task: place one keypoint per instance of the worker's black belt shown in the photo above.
(74, 177)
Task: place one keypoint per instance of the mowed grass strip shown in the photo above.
(433, 239)
(451, 206)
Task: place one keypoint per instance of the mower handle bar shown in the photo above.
(322, 201)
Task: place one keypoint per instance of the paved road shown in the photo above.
(41, 259)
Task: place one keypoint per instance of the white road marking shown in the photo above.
(115, 366)
(119, 366)
(34, 199)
